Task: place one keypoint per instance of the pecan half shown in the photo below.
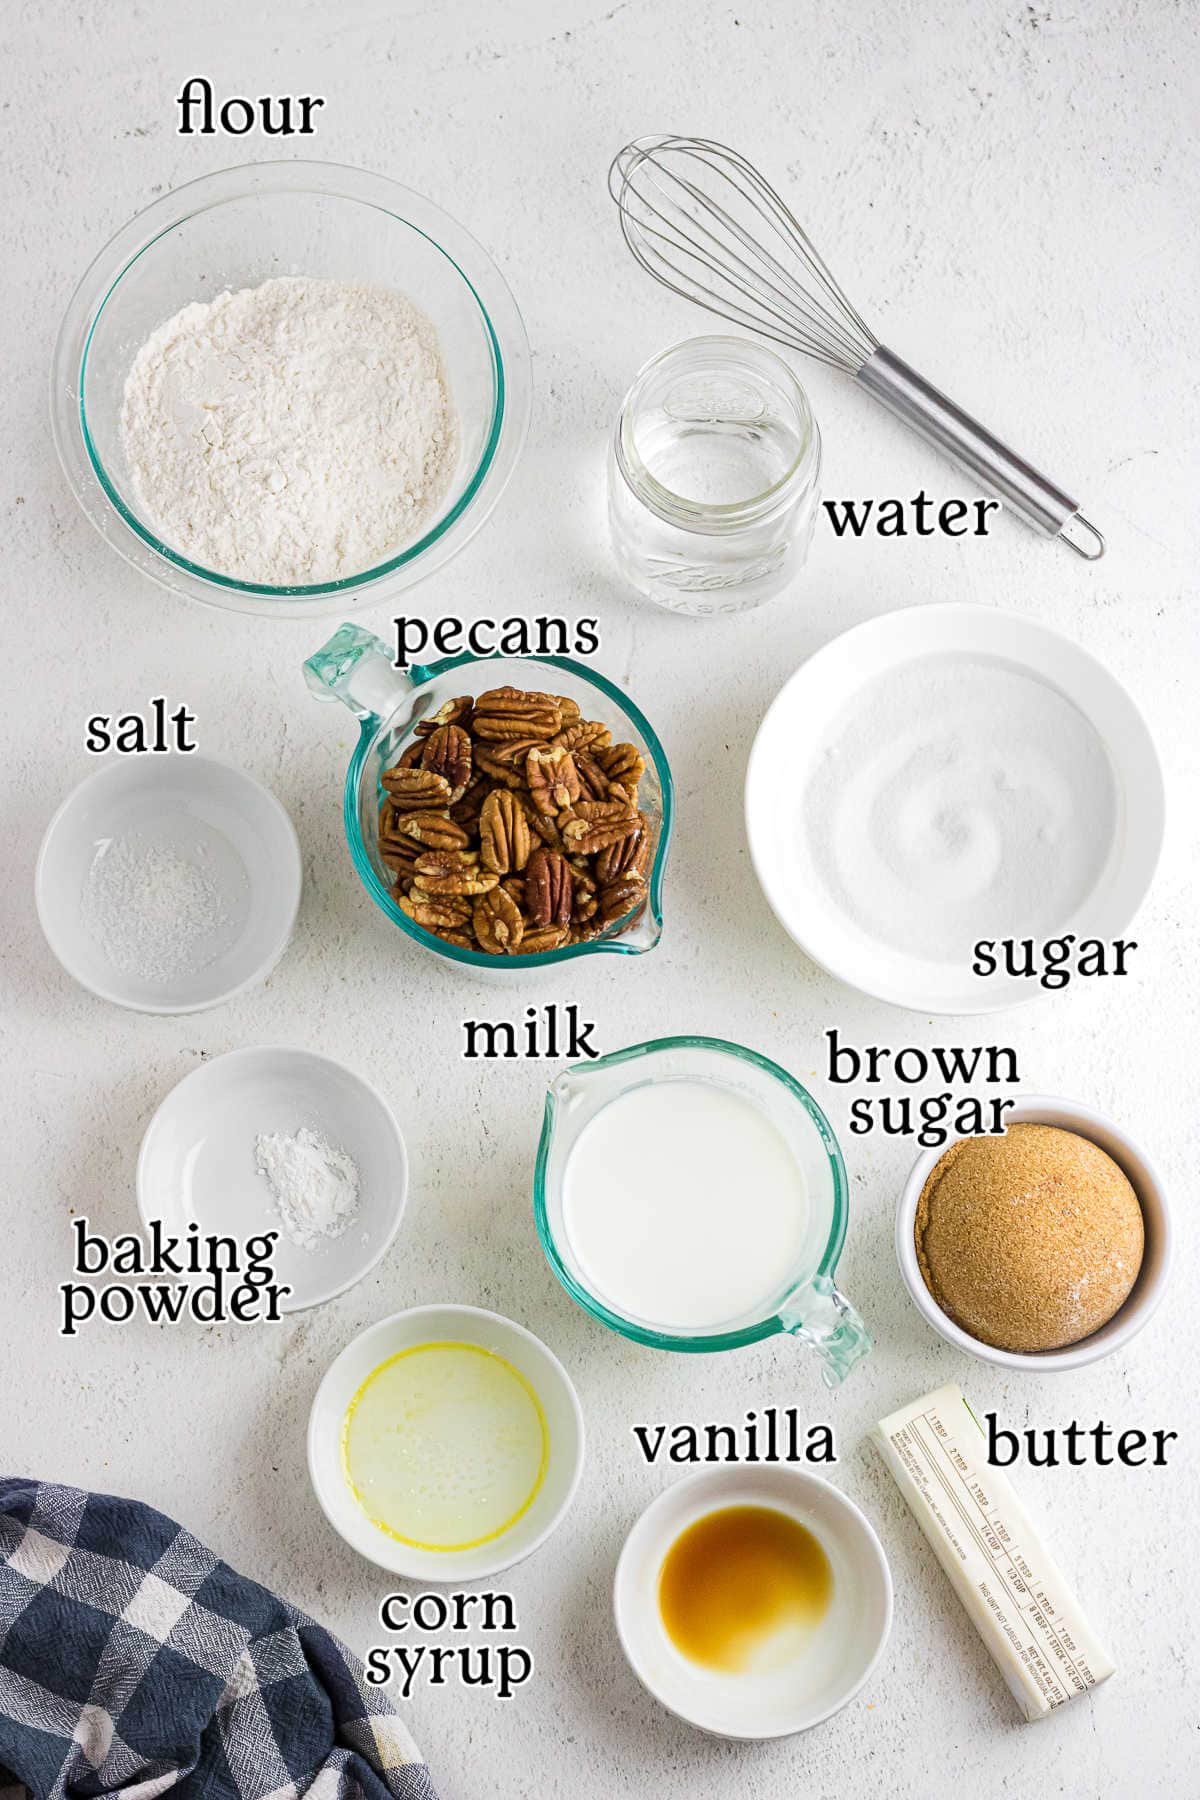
(504, 839)
(511, 753)
(545, 937)
(498, 923)
(548, 888)
(452, 882)
(621, 762)
(544, 827)
(584, 906)
(416, 790)
(495, 770)
(583, 735)
(432, 831)
(399, 858)
(552, 779)
(508, 713)
(448, 754)
(462, 938)
(593, 782)
(447, 914)
(619, 898)
(389, 812)
(454, 712)
(626, 856)
(589, 839)
(616, 806)
(434, 863)
(466, 811)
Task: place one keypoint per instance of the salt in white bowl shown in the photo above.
(193, 808)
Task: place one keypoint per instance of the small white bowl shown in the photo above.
(446, 1324)
(212, 816)
(845, 1648)
(1147, 1291)
(795, 730)
(197, 1161)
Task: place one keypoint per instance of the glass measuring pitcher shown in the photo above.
(806, 1304)
(356, 668)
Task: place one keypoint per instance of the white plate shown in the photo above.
(218, 820)
(796, 728)
(845, 1647)
(197, 1160)
(446, 1324)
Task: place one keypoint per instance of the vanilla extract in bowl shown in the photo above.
(743, 1589)
(753, 1603)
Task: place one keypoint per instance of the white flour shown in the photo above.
(958, 798)
(290, 434)
(157, 913)
(313, 1183)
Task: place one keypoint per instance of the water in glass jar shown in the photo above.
(717, 442)
(713, 477)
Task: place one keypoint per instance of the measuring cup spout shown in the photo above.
(356, 668)
(822, 1317)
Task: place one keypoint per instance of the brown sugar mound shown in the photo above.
(1029, 1241)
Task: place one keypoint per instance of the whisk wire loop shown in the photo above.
(693, 213)
(767, 287)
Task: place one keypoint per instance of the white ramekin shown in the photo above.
(1037, 1109)
(433, 1325)
(767, 1703)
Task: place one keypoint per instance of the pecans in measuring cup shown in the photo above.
(511, 825)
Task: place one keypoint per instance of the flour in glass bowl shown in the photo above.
(959, 797)
(291, 434)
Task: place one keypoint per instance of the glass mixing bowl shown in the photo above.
(237, 229)
(356, 668)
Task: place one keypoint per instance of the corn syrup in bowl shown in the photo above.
(445, 1443)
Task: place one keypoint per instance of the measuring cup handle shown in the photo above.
(824, 1319)
(356, 668)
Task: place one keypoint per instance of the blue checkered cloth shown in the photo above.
(132, 1661)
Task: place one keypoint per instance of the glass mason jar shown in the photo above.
(713, 477)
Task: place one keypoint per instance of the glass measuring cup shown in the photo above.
(356, 668)
(808, 1304)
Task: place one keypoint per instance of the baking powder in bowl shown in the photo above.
(956, 798)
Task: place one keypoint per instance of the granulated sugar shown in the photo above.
(290, 434)
(960, 797)
(156, 911)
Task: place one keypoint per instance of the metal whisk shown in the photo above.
(706, 224)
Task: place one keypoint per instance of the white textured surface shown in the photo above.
(1006, 186)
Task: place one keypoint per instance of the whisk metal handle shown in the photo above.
(935, 417)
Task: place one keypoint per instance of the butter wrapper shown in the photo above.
(1015, 1595)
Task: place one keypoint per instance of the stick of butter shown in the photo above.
(1015, 1596)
